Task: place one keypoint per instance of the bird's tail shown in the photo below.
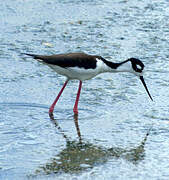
(37, 57)
(32, 55)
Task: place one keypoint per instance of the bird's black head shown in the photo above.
(137, 68)
(137, 65)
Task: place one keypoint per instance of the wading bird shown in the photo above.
(82, 67)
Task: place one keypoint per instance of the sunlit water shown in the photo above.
(123, 134)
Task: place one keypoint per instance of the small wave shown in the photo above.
(23, 105)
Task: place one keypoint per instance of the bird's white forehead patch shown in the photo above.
(138, 66)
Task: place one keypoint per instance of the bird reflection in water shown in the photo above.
(79, 155)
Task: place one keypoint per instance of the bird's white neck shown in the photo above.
(125, 67)
(109, 66)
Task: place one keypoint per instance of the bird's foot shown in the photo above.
(75, 116)
(51, 114)
(75, 112)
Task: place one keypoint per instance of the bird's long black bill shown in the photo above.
(144, 84)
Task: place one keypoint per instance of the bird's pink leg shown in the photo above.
(54, 103)
(75, 109)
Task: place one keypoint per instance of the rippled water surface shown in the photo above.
(119, 133)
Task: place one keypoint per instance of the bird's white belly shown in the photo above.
(75, 72)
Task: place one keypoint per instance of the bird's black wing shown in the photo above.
(80, 60)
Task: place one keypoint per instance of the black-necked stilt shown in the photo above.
(82, 67)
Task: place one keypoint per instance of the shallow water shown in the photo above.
(120, 133)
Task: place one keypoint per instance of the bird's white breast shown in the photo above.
(79, 73)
